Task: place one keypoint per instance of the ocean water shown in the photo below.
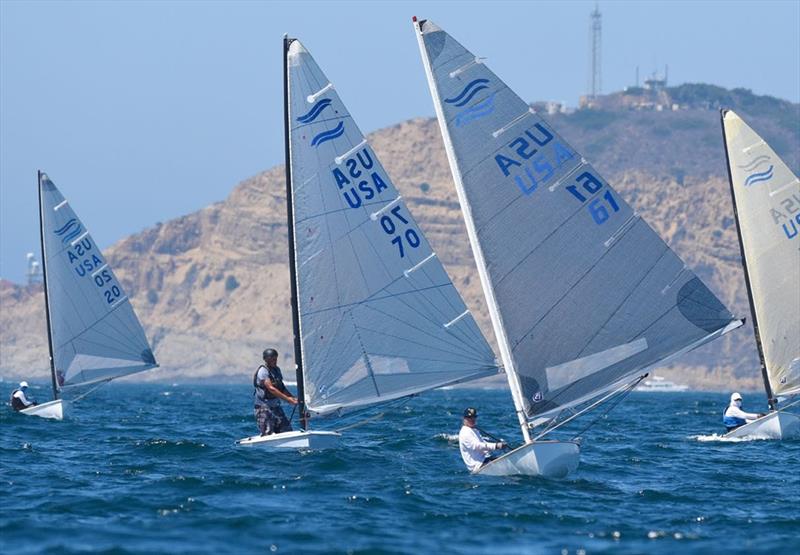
(152, 468)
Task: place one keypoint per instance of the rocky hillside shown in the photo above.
(212, 287)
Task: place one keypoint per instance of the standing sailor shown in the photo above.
(19, 398)
(269, 390)
(734, 416)
(475, 450)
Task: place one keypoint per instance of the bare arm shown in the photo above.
(278, 393)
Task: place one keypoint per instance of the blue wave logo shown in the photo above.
(754, 178)
(315, 110)
(326, 136)
(69, 231)
(467, 94)
(480, 110)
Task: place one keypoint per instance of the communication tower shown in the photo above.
(595, 36)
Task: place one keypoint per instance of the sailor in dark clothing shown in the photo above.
(20, 399)
(269, 390)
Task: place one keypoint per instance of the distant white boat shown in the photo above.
(658, 383)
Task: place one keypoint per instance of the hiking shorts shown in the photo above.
(271, 420)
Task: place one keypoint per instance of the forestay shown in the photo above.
(379, 316)
(767, 198)
(583, 293)
(95, 333)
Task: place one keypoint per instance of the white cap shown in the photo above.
(736, 397)
(23, 385)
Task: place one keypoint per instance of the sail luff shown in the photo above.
(298, 348)
(488, 289)
(46, 295)
(759, 346)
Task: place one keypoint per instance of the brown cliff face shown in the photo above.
(212, 287)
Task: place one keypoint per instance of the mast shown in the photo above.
(486, 284)
(298, 351)
(767, 387)
(44, 283)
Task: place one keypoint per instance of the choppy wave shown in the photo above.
(138, 472)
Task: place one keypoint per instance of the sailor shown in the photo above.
(269, 390)
(734, 416)
(475, 450)
(19, 397)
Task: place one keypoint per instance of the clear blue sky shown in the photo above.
(143, 111)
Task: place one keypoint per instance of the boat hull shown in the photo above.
(775, 425)
(550, 459)
(310, 439)
(54, 410)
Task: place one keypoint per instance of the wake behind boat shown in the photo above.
(585, 298)
(375, 316)
(93, 334)
(766, 201)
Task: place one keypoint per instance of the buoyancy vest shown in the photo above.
(276, 379)
(732, 422)
(16, 402)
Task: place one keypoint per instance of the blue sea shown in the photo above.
(152, 468)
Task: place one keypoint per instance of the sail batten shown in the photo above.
(95, 334)
(372, 296)
(766, 198)
(569, 270)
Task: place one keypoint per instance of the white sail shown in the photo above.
(766, 195)
(583, 294)
(95, 333)
(379, 317)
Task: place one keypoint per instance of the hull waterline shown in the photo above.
(55, 410)
(550, 459)
(316, 439)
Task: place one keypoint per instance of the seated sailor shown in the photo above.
(734, 416)
(475, 450)
(20, 399)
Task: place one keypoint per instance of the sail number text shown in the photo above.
(87, 264)
(392, 227)
(602, 206)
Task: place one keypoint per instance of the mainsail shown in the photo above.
(379, 317)
(583, 294)
(766, 196)
(95, 335)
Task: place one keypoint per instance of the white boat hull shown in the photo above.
(310, 439)
(52, 409)
(775, 425)
(550, 459)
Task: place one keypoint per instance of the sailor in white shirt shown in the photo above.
(19, 399)
(474, 449)
(734, 416)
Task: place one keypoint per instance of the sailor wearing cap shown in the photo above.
(734, 416)
(475, 450)
(269, 391)
(19, 398)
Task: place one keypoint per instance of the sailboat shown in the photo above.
(375, 316)
(766, 201)
(93, 334)
(584, 297)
